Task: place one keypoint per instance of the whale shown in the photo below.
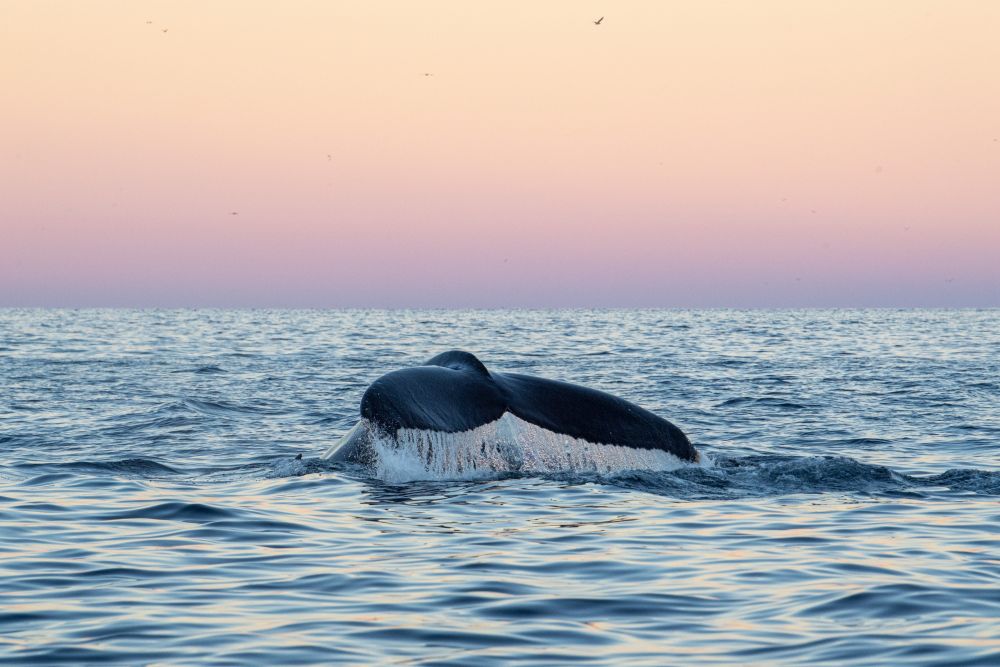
(453, 401)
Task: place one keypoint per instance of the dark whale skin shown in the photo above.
(455, 392)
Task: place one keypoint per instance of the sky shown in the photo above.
(696, 153)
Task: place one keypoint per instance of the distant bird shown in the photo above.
(165, 29)
(328, 157)
(598, 21)
(235, 213)
(149, 23)
(428, 74)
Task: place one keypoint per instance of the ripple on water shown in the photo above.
(152, 509)
(174, 511)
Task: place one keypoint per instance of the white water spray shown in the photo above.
(507, 445)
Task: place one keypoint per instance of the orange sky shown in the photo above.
(680, 154)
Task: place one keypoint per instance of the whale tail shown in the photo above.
(454, 392)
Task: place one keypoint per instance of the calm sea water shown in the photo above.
(152, 509)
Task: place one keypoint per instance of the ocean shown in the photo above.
(846, 512)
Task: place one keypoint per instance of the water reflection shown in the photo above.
(152, 508)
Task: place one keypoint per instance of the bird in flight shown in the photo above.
(166, 29)
(598, 21)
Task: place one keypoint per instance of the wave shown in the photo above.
(718, 477)
(766, 401)
(760, 476)
(511, 447)
(134, 467)
(207, 369)
(229, 410)
(174, 510)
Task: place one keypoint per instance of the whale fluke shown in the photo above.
(454, 392)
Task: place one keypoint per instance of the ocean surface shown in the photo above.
(153, 510)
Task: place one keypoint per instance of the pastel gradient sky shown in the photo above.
(689, 153)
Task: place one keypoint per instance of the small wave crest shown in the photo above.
(204, 369)
(765, 401)
(135, 467)
(725, 477)
(174, 510)
(227, 410)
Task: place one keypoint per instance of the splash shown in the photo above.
(508, 445)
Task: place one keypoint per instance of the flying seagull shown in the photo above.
(598, 21)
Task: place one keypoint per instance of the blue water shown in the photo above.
(152, 509)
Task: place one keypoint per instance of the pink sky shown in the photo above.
(690, 153)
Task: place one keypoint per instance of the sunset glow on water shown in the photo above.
(152, 508)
